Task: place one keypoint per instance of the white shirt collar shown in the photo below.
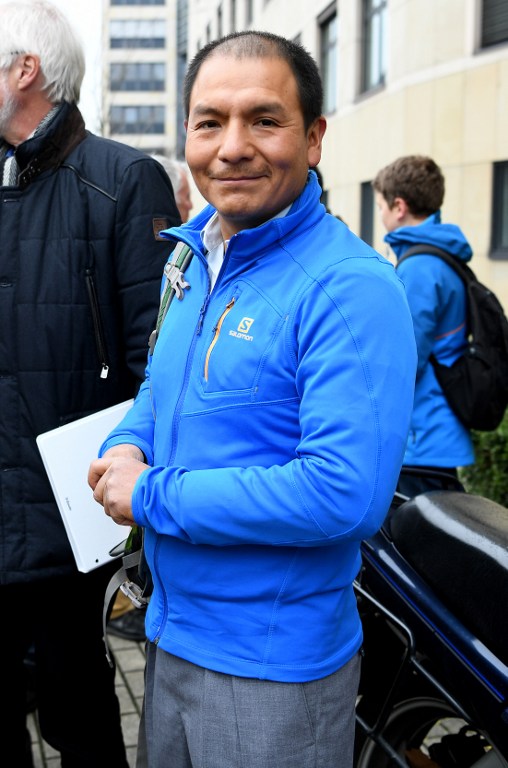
(211, 237)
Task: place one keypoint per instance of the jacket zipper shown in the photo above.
(216, 335)
(97, 325)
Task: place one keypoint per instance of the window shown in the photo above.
(219, 21)
(249, 11)
(367, 212)
(137, 119)
(374, 44)
(499, 244)
(328, 48)
(181, 67)
(137, 76)
(494, 22)
(138, 2)
(132, 33)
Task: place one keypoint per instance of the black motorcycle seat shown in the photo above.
(458, 543)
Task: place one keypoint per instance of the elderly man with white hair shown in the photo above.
(81, 261)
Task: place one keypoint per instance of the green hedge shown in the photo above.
(489, 475)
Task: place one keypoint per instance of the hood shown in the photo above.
(432, 231)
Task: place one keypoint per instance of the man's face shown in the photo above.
(8, 104)
(247, 147)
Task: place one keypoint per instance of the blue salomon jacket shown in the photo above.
(437, 300)
(274, 416)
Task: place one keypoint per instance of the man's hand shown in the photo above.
(113, 478)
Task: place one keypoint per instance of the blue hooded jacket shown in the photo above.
(437, 301)
(275, 416)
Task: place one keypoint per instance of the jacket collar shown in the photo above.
(305, 211)
(47, 150)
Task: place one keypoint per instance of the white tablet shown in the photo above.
(67, 452)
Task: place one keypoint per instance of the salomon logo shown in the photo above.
(242, 332)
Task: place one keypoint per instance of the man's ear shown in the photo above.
(28, 69)
(400, 208)
(314, 141)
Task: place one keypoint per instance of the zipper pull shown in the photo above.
(104, 371)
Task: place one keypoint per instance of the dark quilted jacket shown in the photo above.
(80, 273)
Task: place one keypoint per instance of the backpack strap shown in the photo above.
(123, 579)
(175, 284)
(459, 267)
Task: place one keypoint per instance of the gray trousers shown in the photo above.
(195, 718)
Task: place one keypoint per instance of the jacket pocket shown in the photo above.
(244, 339)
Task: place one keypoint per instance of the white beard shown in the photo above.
(9, 104)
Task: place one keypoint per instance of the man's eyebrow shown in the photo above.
(205, 109)
(269, 107)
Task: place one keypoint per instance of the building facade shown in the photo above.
(401, 77)
(140, 65)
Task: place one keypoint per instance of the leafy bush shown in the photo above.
(489, 475)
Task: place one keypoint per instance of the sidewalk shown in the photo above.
(130, 660)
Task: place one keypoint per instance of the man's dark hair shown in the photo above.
(263, 45)
(416, 179)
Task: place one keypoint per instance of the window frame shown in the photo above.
(374, 44)
(499, 222)
(328, 57)
(141, 125)
(137, 2)
(249, 12)
(494, 23)
(367, 212)
(132, 39)
(134, 81)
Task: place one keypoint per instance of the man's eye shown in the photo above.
(208, 124)
(266, 121)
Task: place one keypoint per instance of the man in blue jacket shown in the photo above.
(409, 194)
(267, 439)
(80, 271)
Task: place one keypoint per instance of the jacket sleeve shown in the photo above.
(137, 426)
(145, 205)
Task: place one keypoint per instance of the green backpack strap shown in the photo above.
(175, 284)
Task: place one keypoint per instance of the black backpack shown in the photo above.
(476, 385)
